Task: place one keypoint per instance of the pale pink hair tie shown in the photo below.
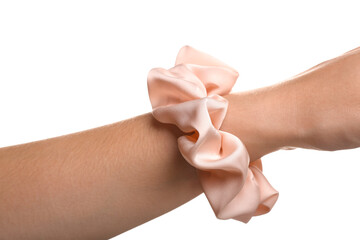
(189, 96)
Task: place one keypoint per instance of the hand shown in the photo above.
(329, 102)
(317, 109)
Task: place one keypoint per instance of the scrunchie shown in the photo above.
(189, 96)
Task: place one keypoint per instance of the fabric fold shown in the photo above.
(188, 95)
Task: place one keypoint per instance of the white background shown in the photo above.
(67, 66)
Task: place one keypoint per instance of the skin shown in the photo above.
(101, 182)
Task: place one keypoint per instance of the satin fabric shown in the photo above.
(189, 96)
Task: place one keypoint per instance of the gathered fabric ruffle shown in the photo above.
(189, 95)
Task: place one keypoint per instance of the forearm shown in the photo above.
(104, 181)
(93, 184)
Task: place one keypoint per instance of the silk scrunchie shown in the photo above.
(189, 96)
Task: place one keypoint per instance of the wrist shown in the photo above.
(264, 119)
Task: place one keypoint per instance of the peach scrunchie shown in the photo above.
(189, 96)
